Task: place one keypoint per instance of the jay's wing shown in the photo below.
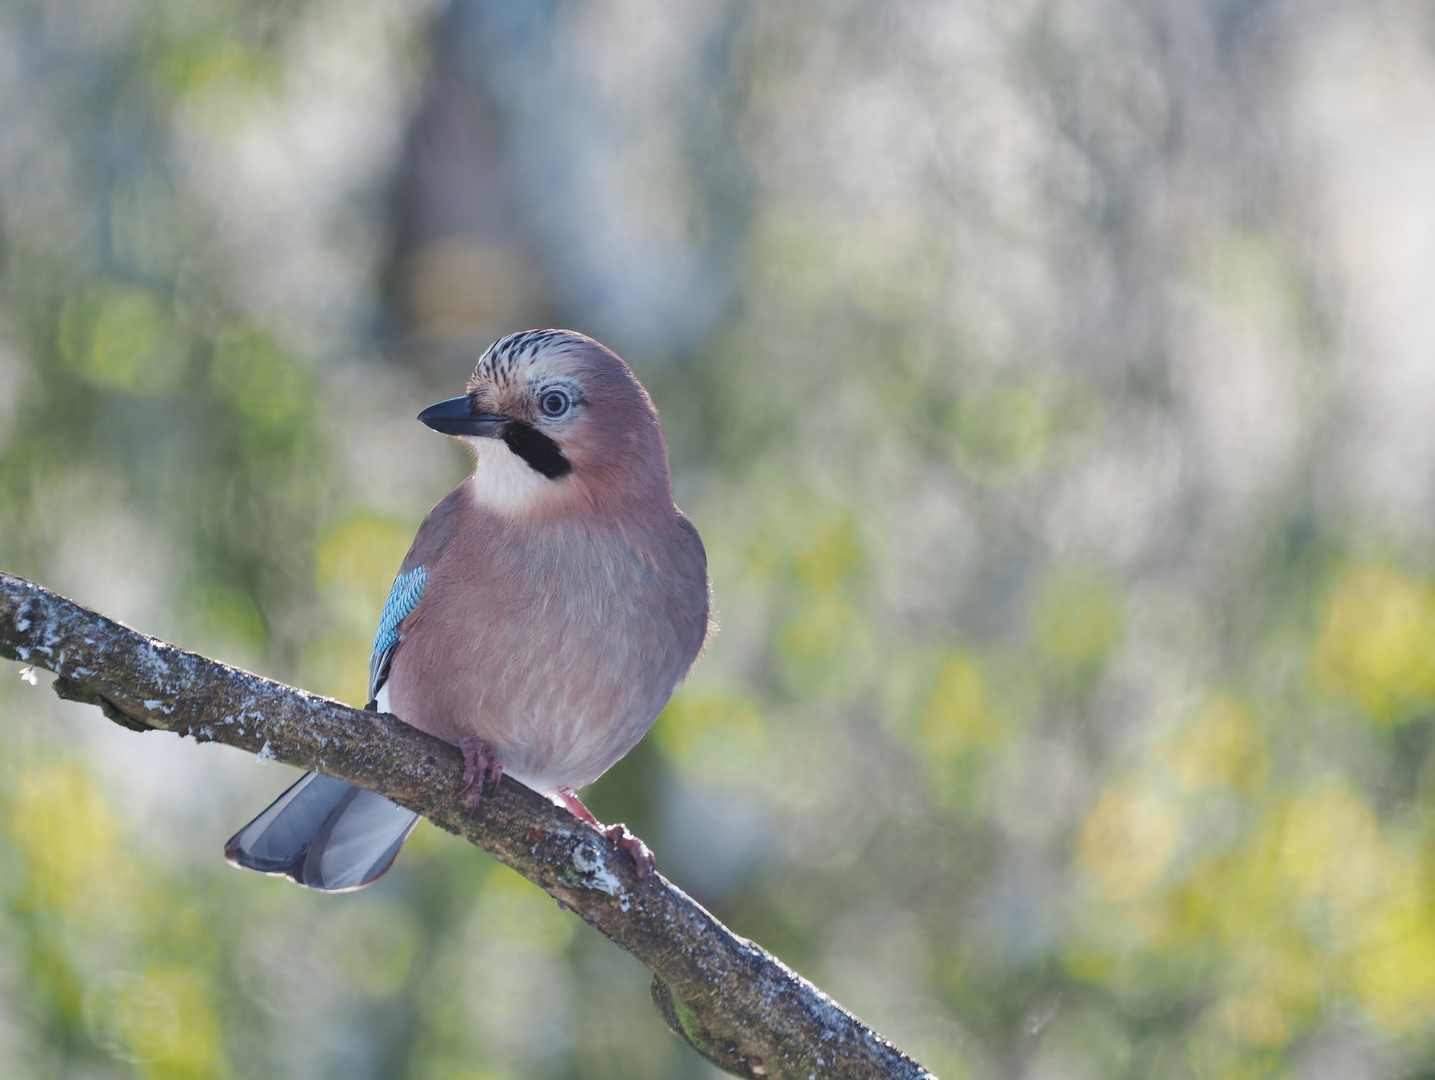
(408, 588)
(404, 596)
(324, 833)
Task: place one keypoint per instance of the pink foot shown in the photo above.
(480, 766)
(643, 860)
(642, 855)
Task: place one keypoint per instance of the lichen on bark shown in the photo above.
(727, 998)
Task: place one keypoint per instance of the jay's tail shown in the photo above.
(324, 834)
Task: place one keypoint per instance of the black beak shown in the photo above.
(456, 417)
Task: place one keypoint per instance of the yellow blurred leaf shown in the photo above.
(1250, 277)
(1331, 849)
(1394, 965)
(374, 944)
(169, 1022)
(1256, 1018)
(819, 630)
(1077, 616)
(831, 553)
(1003, 432)
(363, 556)
(69, 842)
(1128, 841)
(122, 337)
(1222, 748)
(510, 909)
(266, 385)
(205, 63)
(705, 730)
(338, 666)
(227, 614)
(1377, 644)
(959, 717)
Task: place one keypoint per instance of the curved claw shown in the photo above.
(481, 768)
(643, 859)
(642, 855)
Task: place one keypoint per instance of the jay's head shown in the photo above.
(555, 418)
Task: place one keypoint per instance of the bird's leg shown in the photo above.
(642, 855)
(480, 765)
(580, 811)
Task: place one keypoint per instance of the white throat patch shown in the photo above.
(504, 482)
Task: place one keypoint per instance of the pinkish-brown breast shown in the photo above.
(557, 641)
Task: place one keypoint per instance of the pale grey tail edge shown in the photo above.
(324, 834)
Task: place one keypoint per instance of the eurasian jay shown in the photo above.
(543, 616)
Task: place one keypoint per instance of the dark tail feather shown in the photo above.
(324, 834)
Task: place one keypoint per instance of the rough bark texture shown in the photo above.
(729, 999)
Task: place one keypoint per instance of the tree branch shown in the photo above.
(729, 999)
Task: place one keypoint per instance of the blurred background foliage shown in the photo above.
(1052, 385)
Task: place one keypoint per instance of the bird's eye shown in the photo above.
(553, 403)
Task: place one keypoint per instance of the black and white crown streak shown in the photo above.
(501, 362)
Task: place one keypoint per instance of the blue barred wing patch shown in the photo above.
(404, 596)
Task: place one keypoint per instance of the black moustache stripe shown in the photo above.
(536, 448)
